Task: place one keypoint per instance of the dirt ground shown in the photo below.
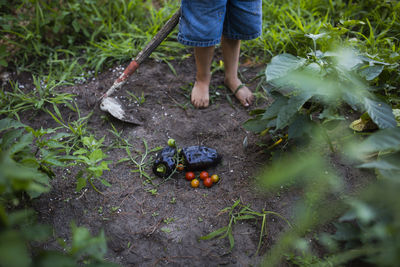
(145, 229)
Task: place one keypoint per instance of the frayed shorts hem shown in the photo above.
(187, 42)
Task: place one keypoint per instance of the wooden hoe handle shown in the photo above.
(145, 53)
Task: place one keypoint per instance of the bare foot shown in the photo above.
(242, 93)
(200, 97)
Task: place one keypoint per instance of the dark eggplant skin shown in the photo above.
(200, 157)
(165, 157)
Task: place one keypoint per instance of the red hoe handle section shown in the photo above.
(145, 53)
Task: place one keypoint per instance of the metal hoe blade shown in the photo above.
(118, 110)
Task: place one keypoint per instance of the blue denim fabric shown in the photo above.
(203, 22)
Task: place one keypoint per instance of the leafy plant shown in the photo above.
(312, 90)
(20, 169)
(92, 156)
(20, 229)
(384, 147)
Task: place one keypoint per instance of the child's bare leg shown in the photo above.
(203, 56)
(230, 53)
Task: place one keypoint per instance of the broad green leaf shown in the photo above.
(300, 127)
(10, 138)
(256, 125)
(371, 72)
(273, 110)
(81, 183)
(49, 258)
(380, 164)
(281, 65)
(24, 141)
(13, 250)
(96, 155)
(380, 113)
(287, 112)
(386, 139)
(8, 123)
(84, 244)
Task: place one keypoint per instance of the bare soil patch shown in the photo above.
(134, 220)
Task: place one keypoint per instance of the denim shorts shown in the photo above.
(203, 22)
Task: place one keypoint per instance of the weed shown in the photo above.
(139, 100)
(239, 212)
(166, 230)
(173, 200)
(16, 101)
(92, 156)
(169, 220)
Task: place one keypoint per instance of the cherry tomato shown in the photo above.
(215, 178)
(204, 175)
(208, 182)
(180, 167)
(195, 183)
(190, 176)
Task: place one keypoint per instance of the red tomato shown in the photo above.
(204, 175)
(180, 167)
(195, 183)
(208, 182)
(190, 176)
(215, 178)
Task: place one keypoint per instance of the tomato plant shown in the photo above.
(208, 182)
(215, 178)
(195, 183)
(204, 175)
(190, 176)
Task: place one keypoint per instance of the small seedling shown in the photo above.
(173, 200)
(169, 220)
(166, 230)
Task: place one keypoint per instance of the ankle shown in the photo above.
(231, 81)
(204, 80)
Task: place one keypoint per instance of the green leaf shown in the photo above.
(13, 250)
(24, 142)
(273, 110)
(287, 112)
(256, 125)
(105, 182)
(380, 164)
(371, 72)
(281, 65)
(231, 239)
(214, 234)
(300, 127)
(3, 62)
(380, 113)
(96, 155)
(81, 183)
(75, 25)
(8, 123)
(245, 217)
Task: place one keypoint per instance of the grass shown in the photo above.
(39, 37)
